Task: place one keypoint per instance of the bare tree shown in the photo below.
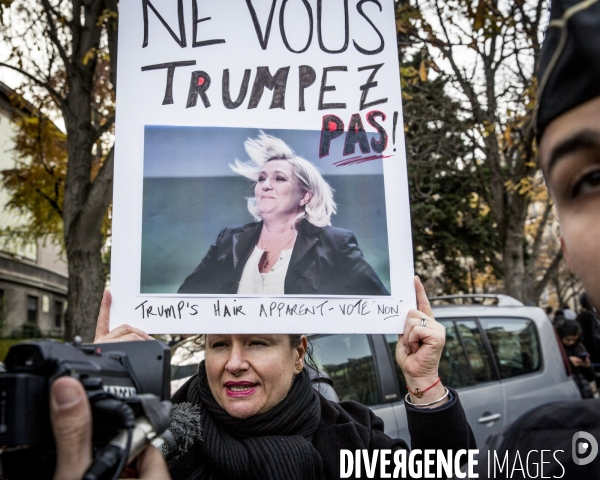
(66, 52)
(490, 49)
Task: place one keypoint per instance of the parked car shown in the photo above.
(503, 359)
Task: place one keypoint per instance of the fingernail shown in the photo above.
(407, 350)
(66, 395)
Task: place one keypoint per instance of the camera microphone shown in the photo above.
(184, 431)
(137, 433)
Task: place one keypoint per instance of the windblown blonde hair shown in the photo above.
(265, 148)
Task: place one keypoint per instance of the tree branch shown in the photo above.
(53, 203)
(539, 287)
(105, 127)
(100, 193)
(112, 34)
(53, 34)
(537, 241)
(59, 100)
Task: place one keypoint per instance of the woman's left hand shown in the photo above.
(420, 347)
(123, 333)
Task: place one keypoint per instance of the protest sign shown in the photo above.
(202, 85)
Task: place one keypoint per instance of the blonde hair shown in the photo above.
(265, 148)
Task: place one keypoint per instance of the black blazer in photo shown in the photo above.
(325, 261)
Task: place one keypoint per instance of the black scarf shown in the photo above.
(275, 445)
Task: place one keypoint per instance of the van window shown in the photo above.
(348, 360)
(454, 370)
(515, 345)
(479, 360)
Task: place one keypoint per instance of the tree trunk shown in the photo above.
(85, 206)
(514, 265)
(73, 35)
(86, 285)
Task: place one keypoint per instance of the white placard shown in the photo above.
(196, 80)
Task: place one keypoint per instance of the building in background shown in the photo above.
(33, 278)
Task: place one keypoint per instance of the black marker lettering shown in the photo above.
(320, 23)
(262, 39)
(332, 128)
(169, 311)
(358, 307)
(378, 146)
(277, 83)
(282, 27)
(359, 7)
(199, 84)
(142, 305)
(387, 310)
(356, 134)
(329, 88)
(180, 41)
(320, 306)
(370, 84)
(307, 78)
(196, 21)
(170, 73)
(227, 102)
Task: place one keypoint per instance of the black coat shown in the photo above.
(325, 261)
(352, 426)
(548, 428)
(590, 326)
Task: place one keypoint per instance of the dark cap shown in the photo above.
(569, 71)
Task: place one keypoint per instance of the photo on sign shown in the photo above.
(202, 222)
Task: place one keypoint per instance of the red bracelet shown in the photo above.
(418, 392)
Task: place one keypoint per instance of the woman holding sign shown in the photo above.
(292, 247)
(261, 418)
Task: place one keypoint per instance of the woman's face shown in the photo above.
(278, 191)
(250, 374)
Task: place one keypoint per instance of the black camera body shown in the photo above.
(124, 371)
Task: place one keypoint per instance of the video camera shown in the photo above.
(127, 384)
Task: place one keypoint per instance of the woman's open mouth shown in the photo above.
(239, 389)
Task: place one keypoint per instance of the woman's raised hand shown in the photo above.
(123, 333)
(419, 349)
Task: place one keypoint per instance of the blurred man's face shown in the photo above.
(570, 340)
(570, 160)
